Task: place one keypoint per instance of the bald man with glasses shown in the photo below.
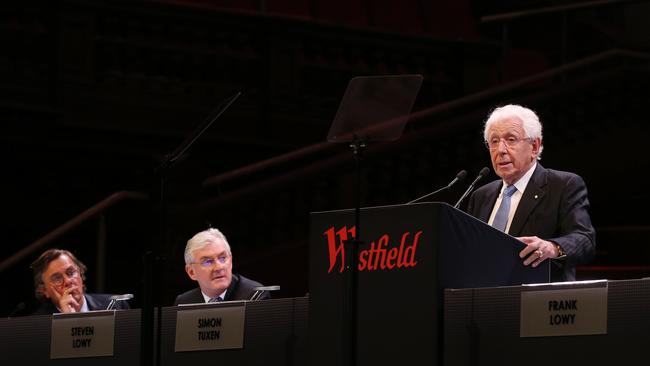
(208, 261)
(59, 283)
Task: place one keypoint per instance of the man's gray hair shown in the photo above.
(529, 121)
(202, 239)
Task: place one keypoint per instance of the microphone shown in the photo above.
(481, 174)
(116, 298)
(260, 290)
(460, 176)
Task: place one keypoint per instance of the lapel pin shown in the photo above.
(536, 196)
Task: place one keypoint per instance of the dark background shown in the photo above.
(94, 95)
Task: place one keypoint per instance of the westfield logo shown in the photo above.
(382, 254)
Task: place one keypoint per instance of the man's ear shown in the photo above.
(190, 271)
(41, 290)
(537, 143)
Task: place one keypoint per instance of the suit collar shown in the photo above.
(234, 282)
(87, 306)
(94, 302)
(195, 296)
(534, 193)
(207, 298)
(492, 195)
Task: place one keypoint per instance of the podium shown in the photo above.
(27, 341)
(275, 333)
(409, 255)
(482, 326)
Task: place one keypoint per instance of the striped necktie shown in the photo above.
(215, 299)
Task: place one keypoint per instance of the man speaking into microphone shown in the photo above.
(546, 209)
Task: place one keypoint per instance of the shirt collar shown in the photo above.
(84, 306)
(207, 298)
(522, 183)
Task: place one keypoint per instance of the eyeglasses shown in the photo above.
(510, 141)
(57, 278)
(210, 262)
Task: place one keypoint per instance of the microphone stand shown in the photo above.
(358, 145)
(460, 176)
(429, 194)
(385, 124)
(154, 270)
(481, 174)
(471, 187)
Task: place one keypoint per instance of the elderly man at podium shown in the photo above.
(59, 283)
(544, 208)
(208, 261)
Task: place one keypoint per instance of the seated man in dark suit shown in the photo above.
(208, 261)
(59, 282)
(546, 209)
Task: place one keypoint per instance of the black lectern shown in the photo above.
(409, 255)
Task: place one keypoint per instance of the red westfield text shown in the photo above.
(380, 255)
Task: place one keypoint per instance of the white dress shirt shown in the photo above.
(207, 298)
(516, 197)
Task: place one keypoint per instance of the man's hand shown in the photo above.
(67, 301)
(537, 250)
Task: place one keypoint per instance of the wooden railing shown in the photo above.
(561, 11)
(440, 109)
(93, 211)
(504, 17)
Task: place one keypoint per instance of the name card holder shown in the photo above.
(211, 326)
(89, 334)
(564, 309)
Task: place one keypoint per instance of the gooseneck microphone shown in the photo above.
(260, 290)
(460, 176)
(116, 298)
(481, 174)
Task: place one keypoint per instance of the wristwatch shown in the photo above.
(560, 251)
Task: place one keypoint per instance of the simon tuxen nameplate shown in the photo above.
(557, 311)
(88, 334)
(210, 326)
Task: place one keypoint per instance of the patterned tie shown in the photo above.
(215, 299)
(501, 218)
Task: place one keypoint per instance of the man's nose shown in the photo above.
(502, 147)
(67, 280)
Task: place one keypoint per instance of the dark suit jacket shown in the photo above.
(241, 288)
(95, 302)
(553, 207)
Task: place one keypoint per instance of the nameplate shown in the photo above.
(563, 312)
(82, 334)
(210, 327)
